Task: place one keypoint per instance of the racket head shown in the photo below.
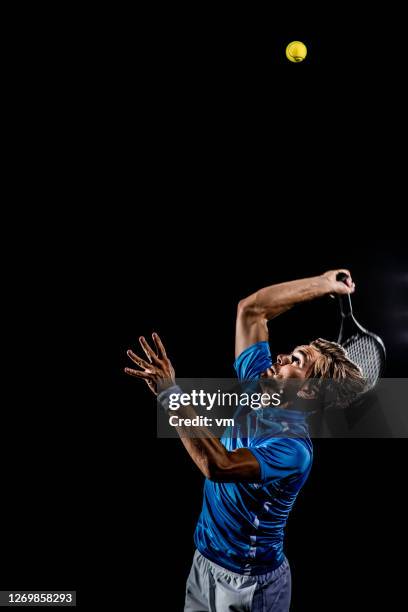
(364, 348)
(367, 350)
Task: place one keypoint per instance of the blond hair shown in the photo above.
(333, 363)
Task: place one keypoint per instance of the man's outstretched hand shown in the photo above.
(157, 372)
(339, 287)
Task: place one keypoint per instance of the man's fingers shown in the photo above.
(345, 289)
(344, 271)
(159, 345)
(143, 376)
(138, 360)
(151, 355)
(138, 374)
(348, 281)
(155, 345)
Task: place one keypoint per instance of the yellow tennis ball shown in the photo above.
(296, 51)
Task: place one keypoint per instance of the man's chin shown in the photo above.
(287, 388)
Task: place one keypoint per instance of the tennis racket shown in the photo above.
(366, 349)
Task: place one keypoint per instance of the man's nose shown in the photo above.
(283, 359)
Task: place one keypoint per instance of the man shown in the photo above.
(252, 481)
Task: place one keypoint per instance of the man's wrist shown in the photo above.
(325, 284)
(164, 396)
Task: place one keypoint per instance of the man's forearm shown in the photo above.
(271, 301)
(210, 456)
(203, 447)
(257, 309)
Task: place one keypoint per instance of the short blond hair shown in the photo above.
(333, 363)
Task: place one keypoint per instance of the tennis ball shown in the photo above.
(296, 51)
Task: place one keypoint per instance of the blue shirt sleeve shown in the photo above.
(281, 457)
(250, 364)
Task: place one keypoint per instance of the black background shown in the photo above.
(170, 162)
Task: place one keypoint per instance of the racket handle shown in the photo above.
(341, 276)
(346, 308)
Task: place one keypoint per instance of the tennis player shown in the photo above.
(252, 482)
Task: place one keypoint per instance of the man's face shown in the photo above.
(297, 364)
(288, 374)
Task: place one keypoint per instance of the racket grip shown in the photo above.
(341, 276)
(346, 308)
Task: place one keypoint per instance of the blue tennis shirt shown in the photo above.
(241, 525)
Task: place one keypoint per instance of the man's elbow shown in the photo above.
(248, 307)
(217, 471)
(214, 474)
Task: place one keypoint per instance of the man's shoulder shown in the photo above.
(302, 449)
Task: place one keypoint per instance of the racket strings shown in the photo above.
(366, 353)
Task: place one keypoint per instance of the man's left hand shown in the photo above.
(158, 372)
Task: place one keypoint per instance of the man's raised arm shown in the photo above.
(257, 309)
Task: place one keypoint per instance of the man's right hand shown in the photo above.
(339, 287)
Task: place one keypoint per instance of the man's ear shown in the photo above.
(308, 391)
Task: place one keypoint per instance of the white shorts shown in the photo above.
(211, 588)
